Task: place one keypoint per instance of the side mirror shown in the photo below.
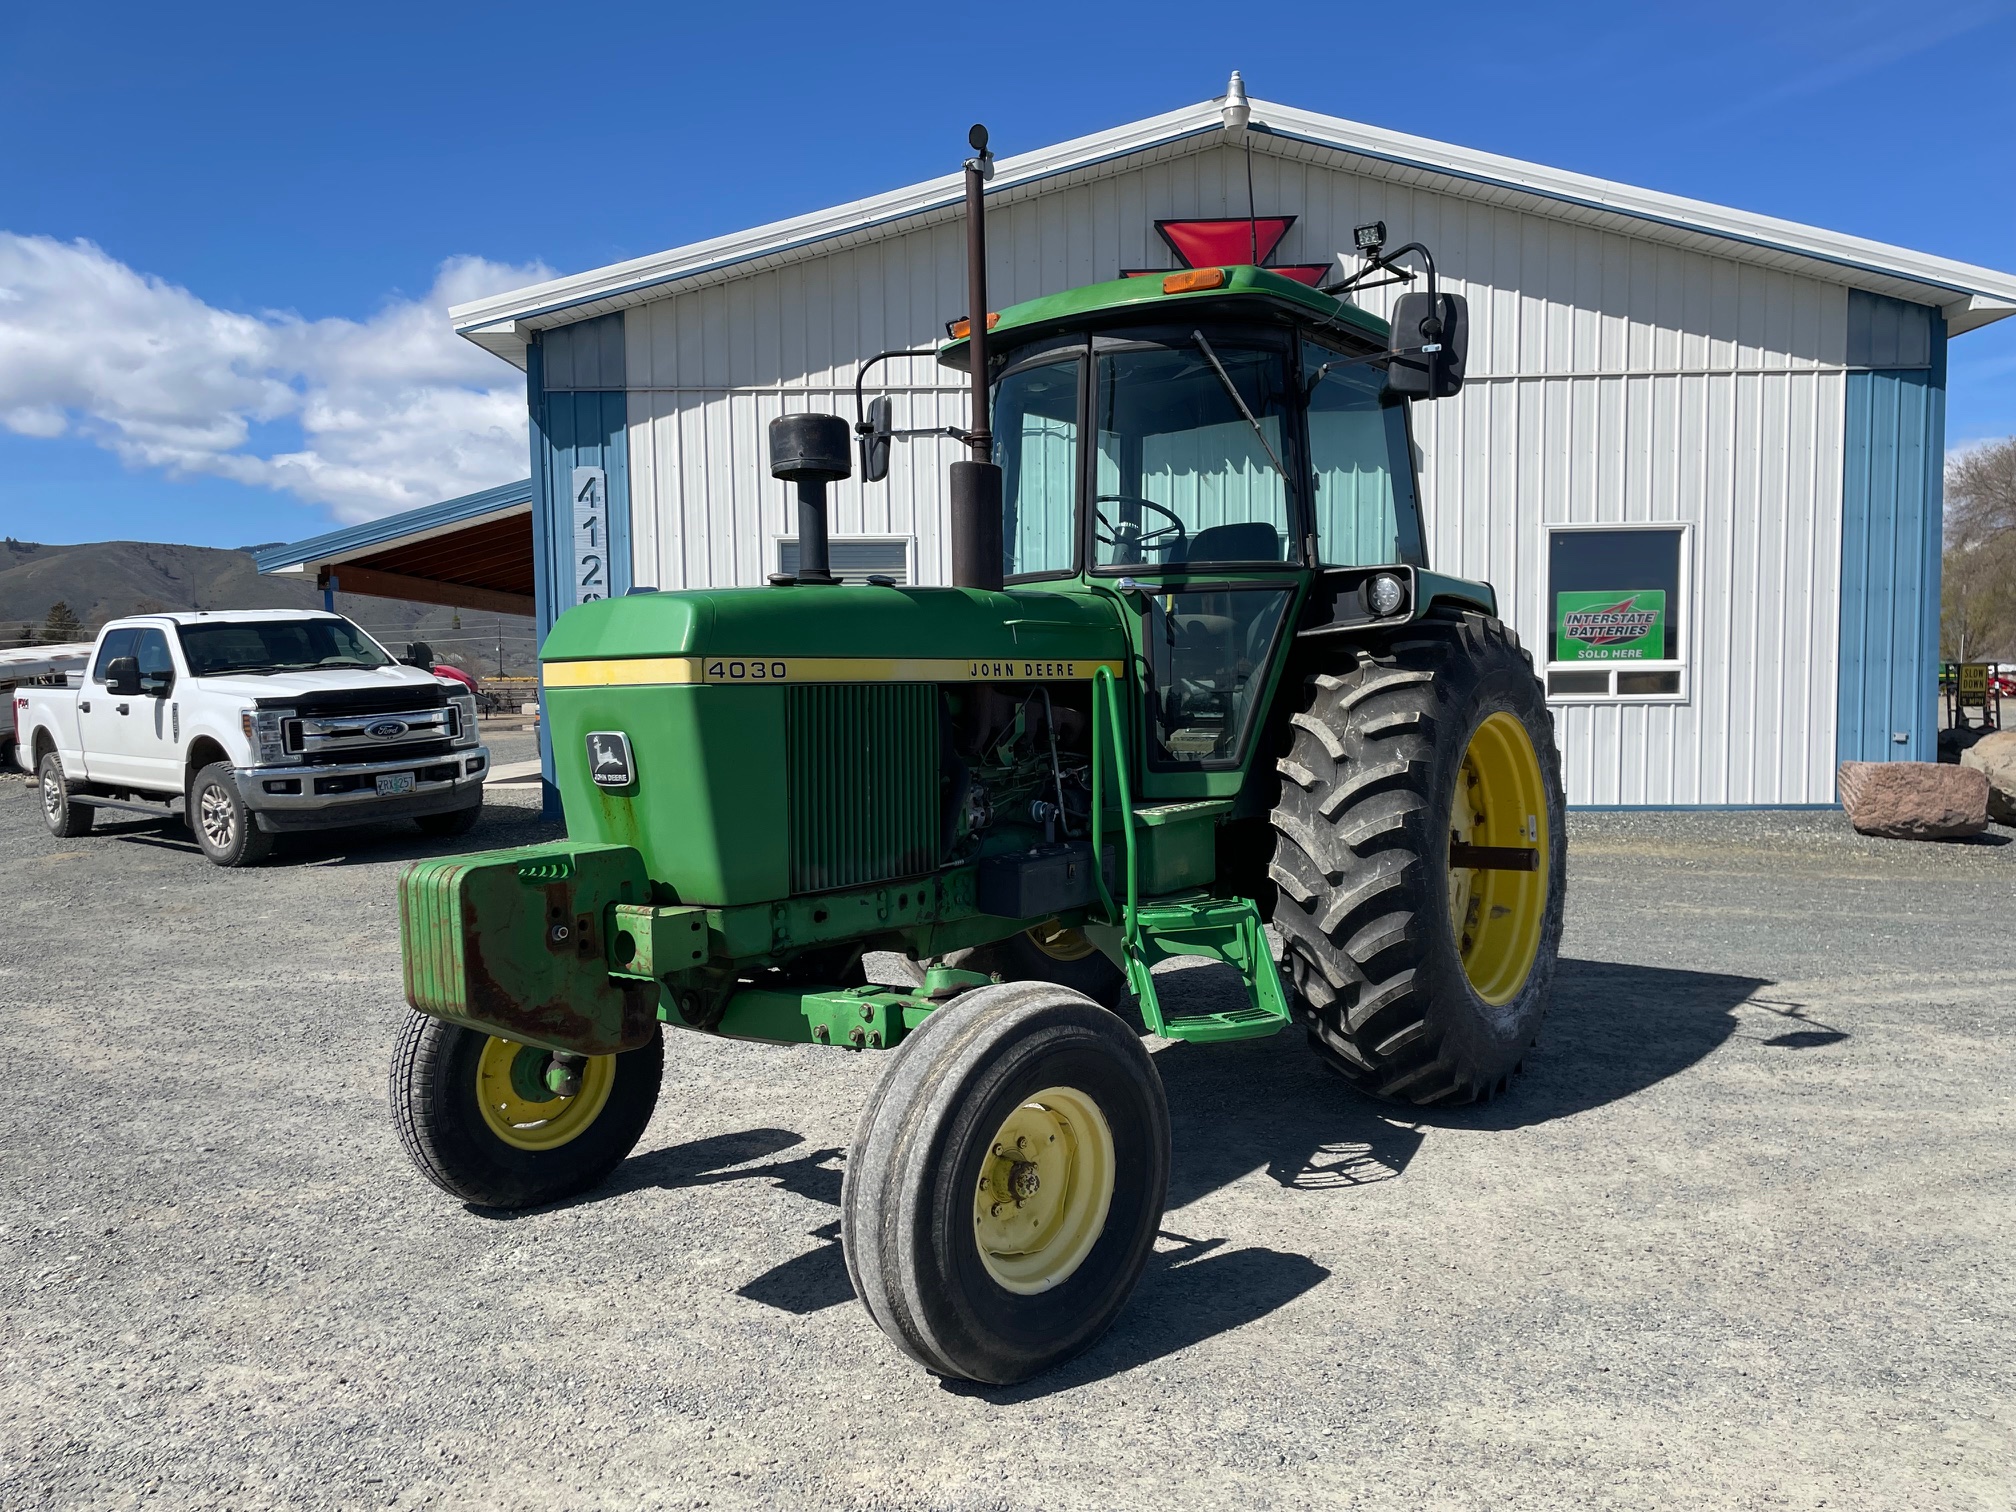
(1418, 322)
(875, 440)
(122, 677)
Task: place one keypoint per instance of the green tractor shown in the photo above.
(1194, 678)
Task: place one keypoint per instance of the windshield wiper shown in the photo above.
(1240, 400)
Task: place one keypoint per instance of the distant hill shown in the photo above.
(105, 579)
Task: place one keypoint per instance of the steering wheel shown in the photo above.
(1131, 536)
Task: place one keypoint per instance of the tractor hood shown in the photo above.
(832, 633)
(755, 744)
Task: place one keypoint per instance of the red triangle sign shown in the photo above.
(1224, 243)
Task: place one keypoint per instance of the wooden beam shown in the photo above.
(375, 583)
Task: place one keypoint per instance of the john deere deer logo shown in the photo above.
(609, 758)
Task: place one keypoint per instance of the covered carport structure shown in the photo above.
(474, 552)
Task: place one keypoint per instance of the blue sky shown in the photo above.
(309, 185)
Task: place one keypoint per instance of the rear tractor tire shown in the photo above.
(1006, 1183)
(1422, 978)
(481, 1120)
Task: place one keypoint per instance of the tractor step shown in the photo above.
(1218, 929)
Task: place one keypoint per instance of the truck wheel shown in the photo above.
(478, 1118)
(1006, 1183)
(1421, 980)
(223, 826)
(64, 818)
(454, 822)
(1050, 952)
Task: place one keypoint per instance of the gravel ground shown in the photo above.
(1740, 1237)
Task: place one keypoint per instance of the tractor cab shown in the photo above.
(1225, 450)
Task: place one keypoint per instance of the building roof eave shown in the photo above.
(1970, 296)
(411, 526)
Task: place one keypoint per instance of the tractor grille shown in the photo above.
(863, 782)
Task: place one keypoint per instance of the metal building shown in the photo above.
(1735, 419)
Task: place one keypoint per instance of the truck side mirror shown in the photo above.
(1417, 323)
(875, 433)
(122, 677)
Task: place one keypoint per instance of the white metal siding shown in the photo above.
(1611, 379)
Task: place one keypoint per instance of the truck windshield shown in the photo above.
(277, 646)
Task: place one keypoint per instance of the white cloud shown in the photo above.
(393, 411)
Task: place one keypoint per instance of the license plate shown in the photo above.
(395, 782)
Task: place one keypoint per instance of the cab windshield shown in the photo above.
(1192, 450)
(254, 646)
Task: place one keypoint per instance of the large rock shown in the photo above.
(1914, 800)
(1994, 756)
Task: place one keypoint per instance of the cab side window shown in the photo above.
(1366, 512)
(117, 643)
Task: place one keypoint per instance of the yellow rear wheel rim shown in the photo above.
(527, 1123)
(1060, 942)
(1501, 800)
(1046, 1183)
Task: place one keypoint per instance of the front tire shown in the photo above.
(1004, 1188)
(223, 826)
(1421, 980)
(65, 818)
(479, 1121)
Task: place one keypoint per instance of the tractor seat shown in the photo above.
(1251, 541)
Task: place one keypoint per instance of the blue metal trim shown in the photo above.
(542, 554)
(1893, 457)
(392, 527)
(570, 428)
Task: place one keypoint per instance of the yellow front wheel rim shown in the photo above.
(1061, 942)
(1497, 916)
(1046, 1183)
(528, 1123)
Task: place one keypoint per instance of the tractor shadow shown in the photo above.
(1263, 1106)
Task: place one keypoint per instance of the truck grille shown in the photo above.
(353, 737)
(862, 778)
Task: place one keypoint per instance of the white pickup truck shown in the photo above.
(255, 722)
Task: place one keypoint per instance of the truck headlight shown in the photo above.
(267, 730)
(463, 708)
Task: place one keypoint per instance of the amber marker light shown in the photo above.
(963, 326)
(1193, 279)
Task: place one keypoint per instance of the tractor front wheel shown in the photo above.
(1421, 860)
(1006, 1183)
(505, 1125)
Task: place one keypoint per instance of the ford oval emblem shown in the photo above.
(387, 729)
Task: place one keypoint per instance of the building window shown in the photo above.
(1617, 613)
(854, 559)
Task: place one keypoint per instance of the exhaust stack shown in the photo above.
(976, 485)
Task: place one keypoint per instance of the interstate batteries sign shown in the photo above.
(1610, 626)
